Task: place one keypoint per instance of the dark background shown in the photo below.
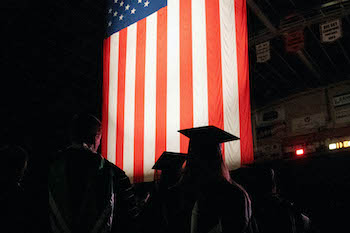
(51, 63)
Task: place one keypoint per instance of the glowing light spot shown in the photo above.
(332, 146)
(299, 152)
(346, 144)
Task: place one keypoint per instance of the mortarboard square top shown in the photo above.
(208, 134)
(170, 160)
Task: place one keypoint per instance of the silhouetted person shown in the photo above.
(272, 213)
(13, 163)
(161, 201)
(87, 193)
(209, 200)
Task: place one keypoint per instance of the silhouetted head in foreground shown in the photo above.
(205, 163)
(170, 165)
(258, 181)
(86, 130)
(13, 165)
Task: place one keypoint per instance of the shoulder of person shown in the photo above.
(117, 172)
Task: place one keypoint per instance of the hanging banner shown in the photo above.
(270, 117)
(263, 52)
(331, 31)
(294, 41)
(341, 105)
(342, 115)
(271, 130)
(341, 100)
(270, 150)
(306, 123)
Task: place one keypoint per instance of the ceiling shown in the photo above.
(53, 54)
(318, 64)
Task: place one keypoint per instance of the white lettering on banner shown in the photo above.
(342, 115)
(331, 31)
(263, 52)
(341, 100)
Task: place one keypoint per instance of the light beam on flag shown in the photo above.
(171, 65)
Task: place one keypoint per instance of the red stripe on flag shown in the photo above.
(243, 82)
(106, 59)
(139, 100)
(121, 97)
(161, 88)
(186, 87)
(215, 95)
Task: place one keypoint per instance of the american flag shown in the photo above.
(171, 65)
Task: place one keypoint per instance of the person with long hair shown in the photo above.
(210, 201)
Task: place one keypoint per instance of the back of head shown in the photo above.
(84, 129)
(205, 163)
(259, 181)
(13, 164)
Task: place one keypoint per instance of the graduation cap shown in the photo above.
(170, 160)
(206, 139)
(208, 134)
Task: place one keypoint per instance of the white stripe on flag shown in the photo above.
(150, 97)
(199, 54)
(112, 98)
(129, 109)
(173, 78)
(230, 81)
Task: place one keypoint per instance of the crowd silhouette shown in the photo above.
(195, 192)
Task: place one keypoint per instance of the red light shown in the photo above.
(299, 152)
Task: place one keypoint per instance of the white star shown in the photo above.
(109, 23)
(115, 1)
(146, 3)
(121, 17)
(139, 1)
(121, 3)
(115, 13)
(127, 7)
(133, 11)
(110, 10)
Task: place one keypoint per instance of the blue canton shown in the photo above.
(123, 13)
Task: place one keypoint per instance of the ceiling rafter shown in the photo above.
(274, 30)
(273, 70)
(346, 55)
(309, 18)
(323, 50)
(287, 64)
(265, 80)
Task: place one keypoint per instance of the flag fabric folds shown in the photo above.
(171, 65)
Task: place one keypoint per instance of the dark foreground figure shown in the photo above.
(271, 212)
(13, 163)
(86, 192)
(207, 199)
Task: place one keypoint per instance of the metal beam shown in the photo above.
(255, 8)
(344, 52)
(309, 18)
(306, 61)
(252, 5)
(289, 66)
(324, 50)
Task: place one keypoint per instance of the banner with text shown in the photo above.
(331, 31)
(263, 52)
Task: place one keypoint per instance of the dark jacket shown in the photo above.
(274, 214)
(217, 207)
(14, 217)
(89, 194)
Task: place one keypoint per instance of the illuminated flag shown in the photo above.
(171, 65)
